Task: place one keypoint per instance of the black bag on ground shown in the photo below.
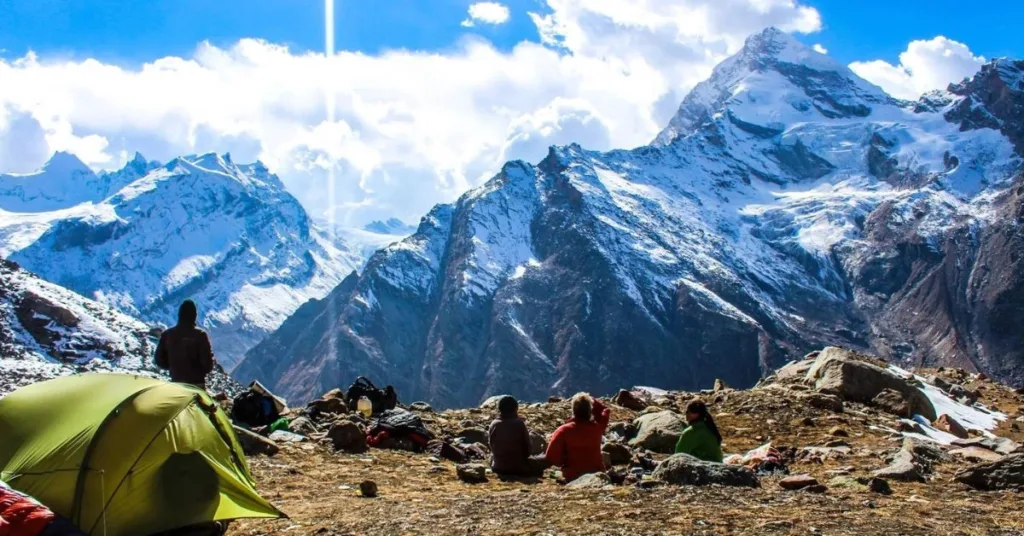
(382, 399)
(254, 409)
(401, 423)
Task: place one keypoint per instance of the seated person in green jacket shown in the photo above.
(701, 439)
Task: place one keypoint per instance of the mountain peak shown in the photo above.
(392, 226)
(64, 162)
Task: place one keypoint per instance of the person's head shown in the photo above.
(697, 411)
(188, 313)
(508, 407)
(582, 406)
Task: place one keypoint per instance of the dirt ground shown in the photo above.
(318, 488)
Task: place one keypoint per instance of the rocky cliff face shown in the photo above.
(147, 237)
(788, 205)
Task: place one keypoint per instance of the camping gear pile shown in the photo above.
(763, 460)
(117, 454)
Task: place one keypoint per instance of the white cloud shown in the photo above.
(487, 13)
(819, 48)
(924, 66)
(412, 128)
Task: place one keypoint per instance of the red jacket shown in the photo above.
(576, 445)
(20, 515)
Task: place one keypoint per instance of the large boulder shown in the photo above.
(630, 400)
(950, 425)
(856, 378)
(658, 431)
(492, 402)
(686, 470)
(1007, 473)
(619, 454)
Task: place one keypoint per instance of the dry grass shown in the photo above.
(318, 488)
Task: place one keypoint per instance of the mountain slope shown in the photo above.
(148, 236)
(788, 205)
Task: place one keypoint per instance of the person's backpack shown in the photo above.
(254, 409)
(382, 399)
(401, 423)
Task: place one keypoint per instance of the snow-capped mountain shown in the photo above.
(146, 237)
(788, 204)
(48, 331)
(368, 239)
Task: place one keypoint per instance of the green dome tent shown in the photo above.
(123, 455)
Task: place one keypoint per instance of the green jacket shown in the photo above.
(698, 441)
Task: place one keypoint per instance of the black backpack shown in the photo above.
(382, 399)
(254, 409)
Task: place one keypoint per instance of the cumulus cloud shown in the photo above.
(410, 128)
(924, 66)
(487, 13)
(819, 48)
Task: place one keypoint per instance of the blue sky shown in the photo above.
(127, 32)
(425, 107)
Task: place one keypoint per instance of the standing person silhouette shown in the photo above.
(185, 349)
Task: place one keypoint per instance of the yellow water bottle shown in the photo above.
(364, 406)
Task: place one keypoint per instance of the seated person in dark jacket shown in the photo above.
(510, 443)
(185, 349)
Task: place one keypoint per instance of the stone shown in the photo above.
(816, 488)
(590, 481)
(926, 451)
(806, 421)
(659, 431)
(304, 426)
(686, 470)
(334, 406)
(347, 436)
(950, 425)
(554, 399)
(938, 382)
(976, 454)
(284, 436)
(368, 489)
(630, 400)
(879, 485)
(619, 453)
(845, 482)
(253, 443)
(492, 402)
(538, 445)
(821, 401)
(959, 392)
(1007, 473)
(892, 402)
(472, 435)
(421, 406)
(719, 385)
(856, 378)
(836, 443)
(904, 468)
(838, 432)
(1001, 445)
(907, 425)
(625, 430)
(606, 460)
(471, 473)
(476, 451)
(796, 482)
(794, 370)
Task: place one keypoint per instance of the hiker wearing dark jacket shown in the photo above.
(701, 439)
(510, 443)
(576, 445)
(185, 349)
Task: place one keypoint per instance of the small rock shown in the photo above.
(421, 406)
(625, 430)
(720, 385)
(606, 459)
(927, 451)
(332, 405)
(253, 444)
(891, 401)
(554, 399)
(796, 482)
(492, 402)
(822, 401)
(683, 469)
(836, 443)
(303, 426)
(472, 435)
(907, 425)
(817, 488)
(446, 451)
(879, 485)
(368, 489)
(538, 445)
(806, 421)
(629, 400)
(976, 454)
(590, 481)
(1006, 473)
(471, 473)
(904, 467)
(618, 453)
(949, 424)
(838, 432)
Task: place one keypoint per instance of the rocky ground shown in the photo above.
(841, 449)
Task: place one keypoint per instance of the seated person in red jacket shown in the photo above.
(21, 515)
(510, 443)
(576, 445)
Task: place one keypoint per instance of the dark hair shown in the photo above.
(508, 406)
(188, 313)
(700, 408)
